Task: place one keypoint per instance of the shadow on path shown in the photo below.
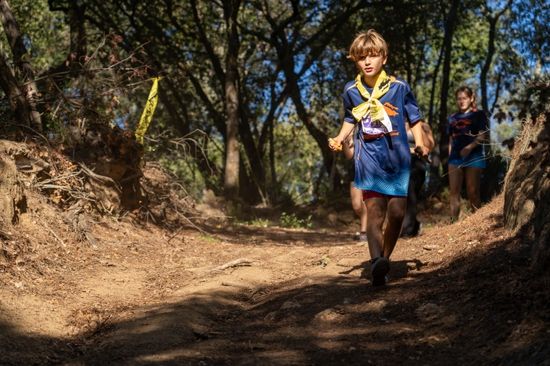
(485, 308)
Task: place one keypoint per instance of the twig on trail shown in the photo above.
(189, 221)
(53, 233)
(174, 235)
(241, 262)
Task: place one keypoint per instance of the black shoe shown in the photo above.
(411, 232)
(379, 269)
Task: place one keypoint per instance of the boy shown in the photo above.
(380, 106)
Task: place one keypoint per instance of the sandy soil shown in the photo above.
(138, 294)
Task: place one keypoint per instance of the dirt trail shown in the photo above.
(459, 294)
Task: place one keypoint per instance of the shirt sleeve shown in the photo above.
(412, 110)
(348, 106)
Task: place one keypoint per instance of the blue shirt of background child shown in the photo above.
(464, 128)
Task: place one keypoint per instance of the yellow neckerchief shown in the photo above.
(373, 106)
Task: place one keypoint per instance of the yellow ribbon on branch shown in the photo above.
(148, 111)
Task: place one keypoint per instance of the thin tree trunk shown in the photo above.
(16, 98)
(445, 81)
(493, 21)
(231, 177)
(253, 154)
(272, 161)
(78, 43)
(434, 84)
(488, 61)
(435, 177)
(21, 60)
(497, 93)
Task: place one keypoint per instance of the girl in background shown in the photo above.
(467, 132)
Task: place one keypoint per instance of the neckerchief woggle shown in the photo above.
(371, 113)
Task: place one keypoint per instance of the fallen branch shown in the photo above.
(241, 262)
(53, 233)
(191, 223)
(101, 178)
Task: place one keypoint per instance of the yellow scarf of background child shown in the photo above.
(373, 106)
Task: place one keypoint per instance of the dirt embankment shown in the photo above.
(78, 288)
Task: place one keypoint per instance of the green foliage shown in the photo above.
(298, 161)
(46, 34)
(290, 220)
(187, 173)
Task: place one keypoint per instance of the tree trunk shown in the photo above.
(16, 98)
(12, 198)
(491, 184)
(434, 84)
(497, 92)
(483, 75)
(78, 44)
(493, 21)
(274, 188)
(487, 65)
(450, 24)
(231, 177)
(253, 155)
(21, 60)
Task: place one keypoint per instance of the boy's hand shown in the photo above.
(334, 144)
(421, 151)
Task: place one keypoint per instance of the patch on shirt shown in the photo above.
(461, 127)
(391, 110)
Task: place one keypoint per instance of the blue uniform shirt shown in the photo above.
(383, 165)
(464, 128)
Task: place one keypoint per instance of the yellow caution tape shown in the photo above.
(148, 111)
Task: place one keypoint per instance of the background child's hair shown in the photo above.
(469, 92)
(367, 43)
